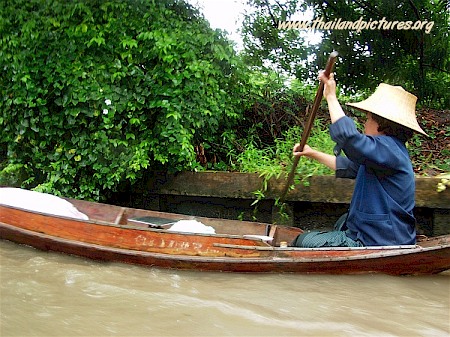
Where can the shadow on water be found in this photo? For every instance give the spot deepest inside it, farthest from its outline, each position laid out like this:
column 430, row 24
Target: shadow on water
column 48, row 294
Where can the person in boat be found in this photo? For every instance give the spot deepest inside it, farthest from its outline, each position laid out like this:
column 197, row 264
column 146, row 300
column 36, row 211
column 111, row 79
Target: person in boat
column 381, row 209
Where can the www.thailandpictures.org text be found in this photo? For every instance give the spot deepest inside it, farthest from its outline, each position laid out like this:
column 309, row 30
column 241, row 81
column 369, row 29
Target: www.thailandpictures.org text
column 358, row 25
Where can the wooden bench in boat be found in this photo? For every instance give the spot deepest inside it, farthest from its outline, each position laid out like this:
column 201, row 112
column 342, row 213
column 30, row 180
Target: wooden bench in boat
column 152, row 222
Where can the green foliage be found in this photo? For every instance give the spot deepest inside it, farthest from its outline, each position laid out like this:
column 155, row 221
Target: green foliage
column 425, row 160
column 276, row 160
column 415, row 59
column 266, row 46
column 274, row 108
column 93, row 93
column 12, row 175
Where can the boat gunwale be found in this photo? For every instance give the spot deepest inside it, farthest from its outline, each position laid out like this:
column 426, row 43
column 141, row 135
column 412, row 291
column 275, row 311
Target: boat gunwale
column 293, row 248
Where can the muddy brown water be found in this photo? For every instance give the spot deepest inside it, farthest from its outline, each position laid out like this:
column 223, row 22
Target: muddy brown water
column 50, row 294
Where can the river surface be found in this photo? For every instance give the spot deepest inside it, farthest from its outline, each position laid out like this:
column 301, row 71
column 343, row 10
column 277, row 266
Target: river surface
column 50, row 294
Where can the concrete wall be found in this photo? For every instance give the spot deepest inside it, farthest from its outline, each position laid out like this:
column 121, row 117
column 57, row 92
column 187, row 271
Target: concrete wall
column 231, row 195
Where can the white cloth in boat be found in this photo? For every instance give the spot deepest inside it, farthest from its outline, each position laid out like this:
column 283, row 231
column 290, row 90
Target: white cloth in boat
column 191, row 226
column 39, row 202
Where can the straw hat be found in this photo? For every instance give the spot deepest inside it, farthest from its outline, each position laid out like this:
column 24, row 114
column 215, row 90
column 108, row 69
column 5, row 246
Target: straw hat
column 393, row 103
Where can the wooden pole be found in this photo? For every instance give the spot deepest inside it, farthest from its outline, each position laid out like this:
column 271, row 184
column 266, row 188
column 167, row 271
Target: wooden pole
column 309, row 124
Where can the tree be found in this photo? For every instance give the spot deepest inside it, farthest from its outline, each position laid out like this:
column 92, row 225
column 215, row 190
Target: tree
column 414, row 58
column 94, row 93
column 418, row 59
column 266, row 46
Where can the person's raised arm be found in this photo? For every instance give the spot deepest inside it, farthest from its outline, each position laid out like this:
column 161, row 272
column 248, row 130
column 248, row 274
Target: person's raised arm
column 329, row 93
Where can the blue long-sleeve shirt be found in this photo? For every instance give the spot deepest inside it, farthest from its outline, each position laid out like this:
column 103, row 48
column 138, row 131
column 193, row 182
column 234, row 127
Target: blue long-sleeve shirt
column 381, row 210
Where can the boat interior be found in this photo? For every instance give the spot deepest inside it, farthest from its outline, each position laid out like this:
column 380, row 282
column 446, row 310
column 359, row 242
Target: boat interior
column 272, row 234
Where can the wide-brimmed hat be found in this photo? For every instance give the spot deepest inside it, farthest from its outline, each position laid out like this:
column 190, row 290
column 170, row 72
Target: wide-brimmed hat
column 393, row 103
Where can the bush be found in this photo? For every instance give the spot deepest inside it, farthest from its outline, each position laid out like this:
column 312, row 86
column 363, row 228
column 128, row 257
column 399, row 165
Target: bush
column 277, row 160
column 93, row 93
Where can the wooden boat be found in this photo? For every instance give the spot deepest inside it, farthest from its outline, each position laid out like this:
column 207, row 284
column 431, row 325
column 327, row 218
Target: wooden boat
column 142, row 237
